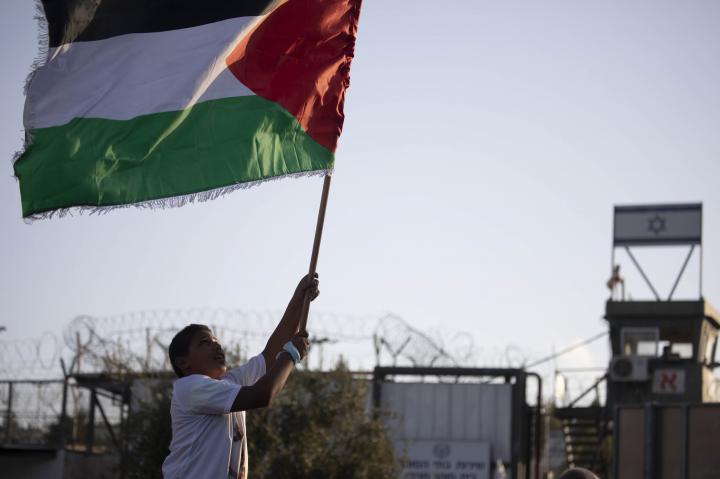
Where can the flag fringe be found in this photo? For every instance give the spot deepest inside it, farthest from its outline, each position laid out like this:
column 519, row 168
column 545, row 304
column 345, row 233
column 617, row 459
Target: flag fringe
column 171, row 202
column 41, row 58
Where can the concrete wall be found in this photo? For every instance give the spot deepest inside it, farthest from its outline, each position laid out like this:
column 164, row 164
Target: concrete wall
column 95, row 466
column 23, row 464
column 16, row 464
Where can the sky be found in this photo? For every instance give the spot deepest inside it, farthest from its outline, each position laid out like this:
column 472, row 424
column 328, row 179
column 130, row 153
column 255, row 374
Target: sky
column 484, row 147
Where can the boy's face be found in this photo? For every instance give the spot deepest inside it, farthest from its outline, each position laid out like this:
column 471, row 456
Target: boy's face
column 205, row 356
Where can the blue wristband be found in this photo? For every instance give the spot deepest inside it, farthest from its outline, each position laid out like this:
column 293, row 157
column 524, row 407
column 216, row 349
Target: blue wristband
column 290, row 348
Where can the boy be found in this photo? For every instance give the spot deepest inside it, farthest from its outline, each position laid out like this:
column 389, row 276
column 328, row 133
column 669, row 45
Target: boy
column 209, row 403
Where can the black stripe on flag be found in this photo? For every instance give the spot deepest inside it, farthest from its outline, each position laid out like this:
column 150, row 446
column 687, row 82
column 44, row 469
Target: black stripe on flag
column 88, row 20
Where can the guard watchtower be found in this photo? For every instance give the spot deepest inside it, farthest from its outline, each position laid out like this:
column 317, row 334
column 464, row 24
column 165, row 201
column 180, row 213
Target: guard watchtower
column 663, row 350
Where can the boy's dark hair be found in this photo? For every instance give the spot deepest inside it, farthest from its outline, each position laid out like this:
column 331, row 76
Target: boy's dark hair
column 180, row 344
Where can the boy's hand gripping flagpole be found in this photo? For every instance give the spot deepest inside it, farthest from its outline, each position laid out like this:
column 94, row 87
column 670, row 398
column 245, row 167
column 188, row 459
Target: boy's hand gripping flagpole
column 316, row 248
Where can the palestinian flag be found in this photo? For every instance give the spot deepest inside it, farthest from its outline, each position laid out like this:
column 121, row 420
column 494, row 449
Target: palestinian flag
column 161, row 102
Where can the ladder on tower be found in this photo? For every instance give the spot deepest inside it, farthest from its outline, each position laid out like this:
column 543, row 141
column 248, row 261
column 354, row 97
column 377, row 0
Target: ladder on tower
column 584, row 432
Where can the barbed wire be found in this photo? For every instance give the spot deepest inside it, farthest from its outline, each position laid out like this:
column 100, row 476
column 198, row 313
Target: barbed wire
column 31, row 354
column 137, row 341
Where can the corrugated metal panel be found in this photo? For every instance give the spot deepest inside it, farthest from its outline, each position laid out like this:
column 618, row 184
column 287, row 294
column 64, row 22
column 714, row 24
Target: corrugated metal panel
column 451, row 412
column 441, row 411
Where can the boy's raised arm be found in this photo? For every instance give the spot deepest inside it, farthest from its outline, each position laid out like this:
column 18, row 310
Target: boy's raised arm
column 267, row 388
column 288, row 325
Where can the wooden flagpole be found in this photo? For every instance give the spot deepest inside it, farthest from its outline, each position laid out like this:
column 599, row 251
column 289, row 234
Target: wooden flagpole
column 316, row 247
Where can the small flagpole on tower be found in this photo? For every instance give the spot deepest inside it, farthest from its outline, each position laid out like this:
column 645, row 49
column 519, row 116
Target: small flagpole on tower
column 316, row 247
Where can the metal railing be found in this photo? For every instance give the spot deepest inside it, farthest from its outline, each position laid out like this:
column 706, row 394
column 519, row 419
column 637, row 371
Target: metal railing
column 30, row 413
column 50, row 414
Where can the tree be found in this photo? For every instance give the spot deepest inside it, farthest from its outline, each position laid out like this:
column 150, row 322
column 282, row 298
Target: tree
column 146, row 436
column 320, row 427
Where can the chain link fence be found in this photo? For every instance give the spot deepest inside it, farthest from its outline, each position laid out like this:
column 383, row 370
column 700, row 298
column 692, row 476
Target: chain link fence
column 31, row 414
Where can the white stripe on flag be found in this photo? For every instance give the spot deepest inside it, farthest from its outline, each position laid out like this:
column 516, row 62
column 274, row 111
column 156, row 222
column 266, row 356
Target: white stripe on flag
column 137, row 74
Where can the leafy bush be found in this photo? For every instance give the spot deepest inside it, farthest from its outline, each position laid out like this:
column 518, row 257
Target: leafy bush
column 146, row 436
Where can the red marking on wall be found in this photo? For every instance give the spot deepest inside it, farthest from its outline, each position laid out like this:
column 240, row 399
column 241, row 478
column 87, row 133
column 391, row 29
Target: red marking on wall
column 668, row 381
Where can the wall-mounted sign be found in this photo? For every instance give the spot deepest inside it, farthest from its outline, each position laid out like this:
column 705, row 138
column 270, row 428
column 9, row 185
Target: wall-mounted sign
column 446, row 459
column 658, row 225
column 669, row 381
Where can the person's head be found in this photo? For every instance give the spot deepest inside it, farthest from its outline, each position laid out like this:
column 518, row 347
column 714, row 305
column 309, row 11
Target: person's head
column 195, row 350
column 577, row 473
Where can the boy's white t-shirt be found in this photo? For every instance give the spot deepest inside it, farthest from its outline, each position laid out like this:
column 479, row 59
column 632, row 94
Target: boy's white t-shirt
column 203, row 426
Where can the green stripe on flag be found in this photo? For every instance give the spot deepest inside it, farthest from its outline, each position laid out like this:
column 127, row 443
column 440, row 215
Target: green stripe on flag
column 99, row 162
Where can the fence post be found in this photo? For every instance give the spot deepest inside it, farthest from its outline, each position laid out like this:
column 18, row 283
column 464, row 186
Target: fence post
column 8, row 415
column 90, row 431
